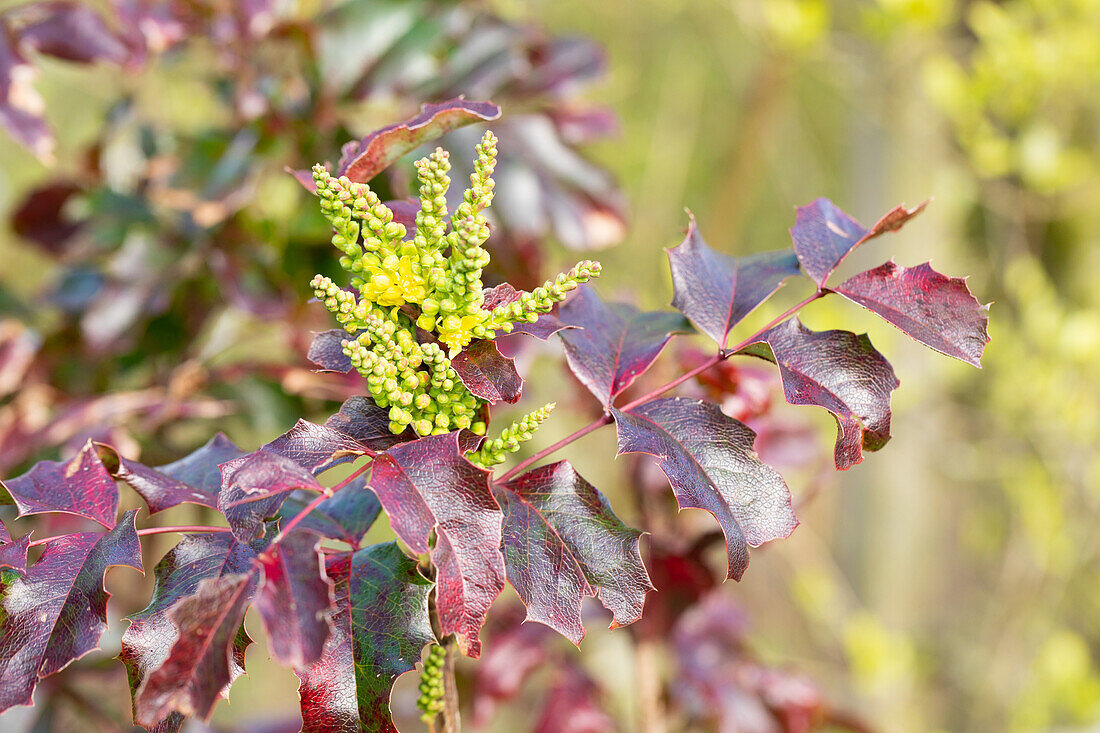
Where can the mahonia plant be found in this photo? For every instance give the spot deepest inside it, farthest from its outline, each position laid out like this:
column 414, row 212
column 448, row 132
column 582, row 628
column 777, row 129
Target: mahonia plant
column 428, row 282
column 418, row 325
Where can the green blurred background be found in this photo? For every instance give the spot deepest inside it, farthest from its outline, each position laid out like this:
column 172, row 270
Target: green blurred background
column 950, row 582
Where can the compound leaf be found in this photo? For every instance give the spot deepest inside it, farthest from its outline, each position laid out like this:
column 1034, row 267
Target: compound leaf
column 428, row 485
column 823, row 235
column 709, row 460
column 614, row 342
column 562, row 542
column 839, row 371
column 379, row 630
column 57, row 611
column 937, row 310
column 716, row 291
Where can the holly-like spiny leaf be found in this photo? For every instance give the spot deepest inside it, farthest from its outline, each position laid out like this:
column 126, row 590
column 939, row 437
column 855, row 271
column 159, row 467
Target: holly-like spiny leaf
column 57, row 611
column 937, row 310
column 823, row 235
column 347, row 515
column 148, row 640
column 428, row 485
column 487, row 373
column 380, row 628
column 839, row 371
column 365, row 422
column 716, row 291
column 81, row 486
column 200, row 664
column 614, row 342
column 255, row 486
column 294, row 599
column 13, row 553
column 327, row 351
column 193, row 479
column 709, row 460
column 562, row 542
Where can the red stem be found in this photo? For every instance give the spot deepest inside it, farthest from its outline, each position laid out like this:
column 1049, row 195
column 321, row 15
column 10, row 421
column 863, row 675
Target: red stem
column 327, row 493
column 606, row 417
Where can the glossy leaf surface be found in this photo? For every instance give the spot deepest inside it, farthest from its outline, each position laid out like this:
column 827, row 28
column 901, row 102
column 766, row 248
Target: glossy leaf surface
column 823, row 235
column 613, row 343
column 563, row 542
column 716, row 291
column 709, row 460
column 13, row 553
column 937, row 310
column 57, row 611
column 427, row 485
column 487, row 373
column 839, row 371
column 379, row 630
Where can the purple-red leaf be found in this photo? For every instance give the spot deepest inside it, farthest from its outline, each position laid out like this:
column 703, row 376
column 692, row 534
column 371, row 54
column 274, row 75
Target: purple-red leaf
column 379, row 630
column 614, row 342
column 823, row 235
column 82, row 486
column 839, row 371
column 488, row 374
column 545, row 326
column 255, row 486
column 193, row 479
column 148, row 641
column 426, row 485
column 364, row 159
column 203, row 660
column 294, row 599
column 13, row 553
column 709, row 460
column 57, row 612
column 717, row 291
column 937, row 310
column 347, row 515
column 20, row 104
column 365, row 422
column 72, row 32
column 327, row 351
column 562, row 542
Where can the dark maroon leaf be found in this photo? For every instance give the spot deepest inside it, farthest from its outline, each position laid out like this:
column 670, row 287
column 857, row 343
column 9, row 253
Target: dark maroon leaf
column 362, row 420
column 364, row 159
column 709, row 460
column 379, row 630
column 562, row 542
column 57, row 612
column 193, row 479
column 327, row 351
column 574, row 705
column 41, row 216
column 937, row 310
column 316, row 448
column 255, row 486
column 487, row 374
column 347, row 515
column 824, row 235
column 82, row 486
column 543, row 328
column 614, row 343
column 13, row 553
column 203, row 659
column 839, row 371
column 20, row 104
column 427, row 485
column 294, row 599
column 73, row 32
column 152, row 632
column 717, row 291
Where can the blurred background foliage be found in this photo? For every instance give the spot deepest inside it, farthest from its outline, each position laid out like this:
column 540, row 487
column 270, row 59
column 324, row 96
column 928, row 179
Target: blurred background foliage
column 948, row 583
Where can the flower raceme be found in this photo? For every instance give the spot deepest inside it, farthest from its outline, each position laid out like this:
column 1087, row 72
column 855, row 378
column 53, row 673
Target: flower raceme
column 418, row 299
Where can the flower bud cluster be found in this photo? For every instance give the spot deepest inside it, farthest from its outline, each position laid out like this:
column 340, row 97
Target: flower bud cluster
column 493, row 451
column 430, row 701
column 429, row 279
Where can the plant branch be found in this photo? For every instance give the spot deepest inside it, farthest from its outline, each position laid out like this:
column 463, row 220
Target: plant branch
column 452, row 721
column 606, row 417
